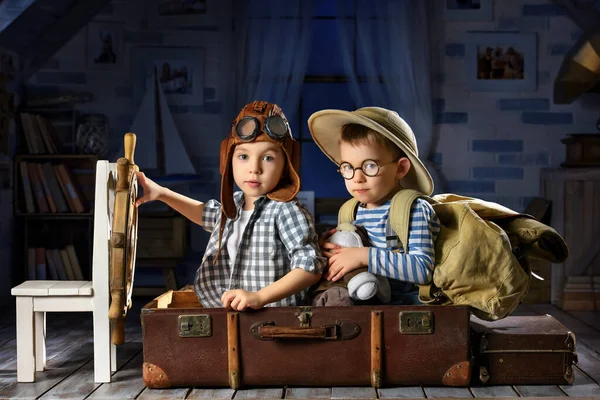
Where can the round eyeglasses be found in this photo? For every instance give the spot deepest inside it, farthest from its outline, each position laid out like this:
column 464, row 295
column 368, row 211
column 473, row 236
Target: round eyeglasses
column 369, row 167
column 249, row 127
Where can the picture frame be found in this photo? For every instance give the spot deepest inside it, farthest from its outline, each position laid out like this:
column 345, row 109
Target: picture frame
column 181, row 73
column 181, row 14
column 501, row 61
column 105, row 45
column 468, row 10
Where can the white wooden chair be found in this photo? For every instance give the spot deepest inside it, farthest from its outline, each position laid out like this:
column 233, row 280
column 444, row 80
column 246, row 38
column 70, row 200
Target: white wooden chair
column 35, row 298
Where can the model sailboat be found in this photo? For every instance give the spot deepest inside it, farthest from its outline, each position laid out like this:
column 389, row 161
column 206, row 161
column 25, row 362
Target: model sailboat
column 159, row 146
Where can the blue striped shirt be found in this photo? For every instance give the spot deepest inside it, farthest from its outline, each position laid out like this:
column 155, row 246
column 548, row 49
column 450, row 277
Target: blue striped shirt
column 386, row 255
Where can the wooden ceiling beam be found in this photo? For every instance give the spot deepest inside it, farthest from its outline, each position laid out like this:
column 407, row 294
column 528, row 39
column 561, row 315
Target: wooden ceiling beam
column 56, row 35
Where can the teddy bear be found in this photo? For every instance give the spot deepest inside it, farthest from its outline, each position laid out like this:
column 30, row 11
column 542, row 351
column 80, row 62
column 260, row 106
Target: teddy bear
column 358, row 285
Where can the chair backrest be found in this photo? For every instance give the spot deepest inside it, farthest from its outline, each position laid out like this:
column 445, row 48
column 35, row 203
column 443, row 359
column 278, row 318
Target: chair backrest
column 106, row 178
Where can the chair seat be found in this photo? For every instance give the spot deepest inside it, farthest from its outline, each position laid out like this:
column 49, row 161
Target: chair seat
column 53, row 288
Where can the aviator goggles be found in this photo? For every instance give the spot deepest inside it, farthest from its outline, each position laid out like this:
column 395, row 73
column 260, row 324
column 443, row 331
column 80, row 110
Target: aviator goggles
column 248, row 128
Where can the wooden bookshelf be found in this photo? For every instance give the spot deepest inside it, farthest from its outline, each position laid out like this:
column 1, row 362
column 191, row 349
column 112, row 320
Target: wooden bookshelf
column 53, row 196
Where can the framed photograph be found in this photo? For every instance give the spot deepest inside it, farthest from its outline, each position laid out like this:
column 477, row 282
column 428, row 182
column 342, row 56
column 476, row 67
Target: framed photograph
column 182, row 14
column 501, row 61
column 180, row 71
column 105, row 45
column 468, row 10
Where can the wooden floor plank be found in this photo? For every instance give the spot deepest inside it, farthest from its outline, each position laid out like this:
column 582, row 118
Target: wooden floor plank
column 270, row 393
column 353, row 393
column 81, row 383
column 200, row 393
column 539, row 391
column 401, row 392
column 493, row 391
column 127, row 383
column 441, row 392
column 160, row 394
column 59, row 368
column 307, row 393
column 76, row 386
column 589, row 362
column 56, row 329
column 592, row 318
column 56, row 342
column 583, row 386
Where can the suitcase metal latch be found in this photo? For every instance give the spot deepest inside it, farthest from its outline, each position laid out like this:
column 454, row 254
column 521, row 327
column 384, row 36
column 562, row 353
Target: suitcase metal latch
column 195, row 325
column 416, row 322
column 304, row 314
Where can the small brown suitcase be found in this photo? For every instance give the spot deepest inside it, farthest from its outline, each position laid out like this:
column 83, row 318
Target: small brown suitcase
column 185, row 344
column 523, row 350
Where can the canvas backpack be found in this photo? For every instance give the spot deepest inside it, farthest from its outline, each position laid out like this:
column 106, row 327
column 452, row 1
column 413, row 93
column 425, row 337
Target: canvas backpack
column 475, row 263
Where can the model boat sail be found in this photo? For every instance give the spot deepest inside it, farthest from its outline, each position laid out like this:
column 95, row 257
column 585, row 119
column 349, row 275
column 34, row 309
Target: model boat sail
column 159, row 146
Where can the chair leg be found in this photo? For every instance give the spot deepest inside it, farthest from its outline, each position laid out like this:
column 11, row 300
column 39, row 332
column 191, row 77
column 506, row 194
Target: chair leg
column 113, row 350
column 102, row 347
column 25, row 340
column 40, row 341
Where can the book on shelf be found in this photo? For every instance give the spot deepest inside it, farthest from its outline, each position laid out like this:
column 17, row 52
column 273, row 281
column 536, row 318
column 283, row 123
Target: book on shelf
column 40, row 263
column 77, row 273
column 52, row 268
column 38, row 190
column 55, row 190
column 55, row 264
column 64, row 256
column 39, row 134
column 60, row 268
column 47, row 133
column 45, row 186
column 73, row 189
column 27, row 190
column 50, row 187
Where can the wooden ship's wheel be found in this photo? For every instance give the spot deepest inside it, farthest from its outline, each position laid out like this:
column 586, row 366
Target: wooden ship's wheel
column 123, row 240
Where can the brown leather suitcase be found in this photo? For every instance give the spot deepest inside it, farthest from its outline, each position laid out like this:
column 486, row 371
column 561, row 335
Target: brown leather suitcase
column 523, row 350
column 185, row 344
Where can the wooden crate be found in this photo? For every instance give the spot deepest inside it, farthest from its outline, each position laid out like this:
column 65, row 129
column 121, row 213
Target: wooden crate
column 575, row 197
column 161, row 236
column 581, row 300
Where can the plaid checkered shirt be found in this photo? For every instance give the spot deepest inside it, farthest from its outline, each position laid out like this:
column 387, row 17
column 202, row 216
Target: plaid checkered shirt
column 278, row 238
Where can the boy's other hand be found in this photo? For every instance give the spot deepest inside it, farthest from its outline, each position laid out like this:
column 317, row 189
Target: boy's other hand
column 328, row 248
column 345, row 260
column 151, row 189
column 239, row 300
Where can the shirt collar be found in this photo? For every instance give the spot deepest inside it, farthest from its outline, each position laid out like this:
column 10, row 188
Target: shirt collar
column 238, row 199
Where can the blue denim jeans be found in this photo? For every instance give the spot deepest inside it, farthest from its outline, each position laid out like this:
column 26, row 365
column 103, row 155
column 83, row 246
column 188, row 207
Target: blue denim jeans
column 404, row 293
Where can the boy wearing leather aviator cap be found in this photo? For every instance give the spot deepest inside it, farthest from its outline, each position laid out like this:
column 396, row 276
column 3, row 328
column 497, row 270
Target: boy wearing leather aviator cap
column 263, row 248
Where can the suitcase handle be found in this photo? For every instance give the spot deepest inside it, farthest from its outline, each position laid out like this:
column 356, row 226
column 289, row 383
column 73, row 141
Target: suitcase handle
column 267, row 330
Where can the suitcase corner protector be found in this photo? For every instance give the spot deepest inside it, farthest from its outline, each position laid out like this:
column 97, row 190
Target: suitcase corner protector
column 458, row 375
column 155, row 377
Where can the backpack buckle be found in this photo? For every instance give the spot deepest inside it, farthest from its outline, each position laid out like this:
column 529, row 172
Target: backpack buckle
column 439, row 296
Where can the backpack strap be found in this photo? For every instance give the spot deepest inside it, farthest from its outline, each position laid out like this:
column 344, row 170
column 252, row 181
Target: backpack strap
column 347, row 212
column 399, row 216
column 399, row 220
